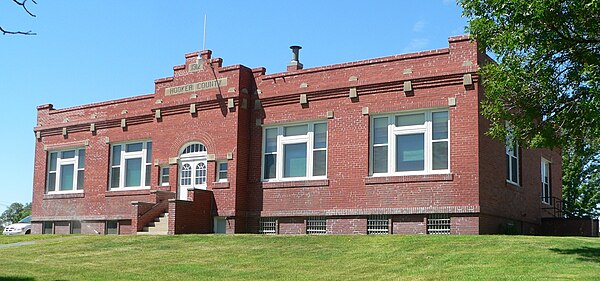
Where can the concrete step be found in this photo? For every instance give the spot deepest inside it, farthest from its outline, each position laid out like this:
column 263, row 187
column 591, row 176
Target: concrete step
column 160, row 226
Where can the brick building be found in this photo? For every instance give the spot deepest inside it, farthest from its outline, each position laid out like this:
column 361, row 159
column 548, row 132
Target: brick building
column 386, row 145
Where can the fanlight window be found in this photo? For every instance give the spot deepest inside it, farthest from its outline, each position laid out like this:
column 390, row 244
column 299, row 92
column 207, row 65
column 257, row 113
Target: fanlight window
column 194, row 148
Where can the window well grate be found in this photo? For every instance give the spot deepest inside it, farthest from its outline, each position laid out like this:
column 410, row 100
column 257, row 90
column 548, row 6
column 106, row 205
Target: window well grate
column 268, row 226
column 316, row 225
column 438, row 224
column 378, row 224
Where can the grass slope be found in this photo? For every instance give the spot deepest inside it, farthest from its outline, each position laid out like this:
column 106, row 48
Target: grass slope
column 336, row 257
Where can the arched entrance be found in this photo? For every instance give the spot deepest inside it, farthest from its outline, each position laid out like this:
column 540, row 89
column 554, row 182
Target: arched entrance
column 192, row 169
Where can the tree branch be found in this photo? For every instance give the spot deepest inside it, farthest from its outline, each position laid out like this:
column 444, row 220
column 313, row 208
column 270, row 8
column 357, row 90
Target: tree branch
column 22, row 4
column 4, row 32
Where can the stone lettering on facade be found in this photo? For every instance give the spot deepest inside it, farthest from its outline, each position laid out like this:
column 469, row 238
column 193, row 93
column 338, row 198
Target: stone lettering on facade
column 198, row 86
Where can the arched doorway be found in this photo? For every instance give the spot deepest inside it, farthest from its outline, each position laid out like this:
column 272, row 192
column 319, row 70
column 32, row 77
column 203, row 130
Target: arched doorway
column 192, row 169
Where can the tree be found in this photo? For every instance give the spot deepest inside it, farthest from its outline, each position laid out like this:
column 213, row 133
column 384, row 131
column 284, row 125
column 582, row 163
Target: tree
column 581, row 181
column 23, row 4
column 545, row 83
column 14, row 213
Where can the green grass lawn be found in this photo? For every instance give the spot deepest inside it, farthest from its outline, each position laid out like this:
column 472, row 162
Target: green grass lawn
column 336, row 257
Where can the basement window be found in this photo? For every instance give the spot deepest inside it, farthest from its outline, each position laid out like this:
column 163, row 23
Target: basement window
column 112, row 227
column 316, row 225
column 268, row 226
column 75, row 227
column 438, row 224
column 378, row 224
column 47, row 227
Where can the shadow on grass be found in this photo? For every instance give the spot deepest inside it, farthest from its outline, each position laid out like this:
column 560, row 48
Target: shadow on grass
column 14, row 278
column 583, row 253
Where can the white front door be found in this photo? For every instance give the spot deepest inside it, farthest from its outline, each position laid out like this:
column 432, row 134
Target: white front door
column 192, row 174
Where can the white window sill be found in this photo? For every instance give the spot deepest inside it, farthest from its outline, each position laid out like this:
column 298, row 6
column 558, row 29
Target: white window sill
column 513, row 183
column 129, row 188
column 64, row 195
column 295, row 183
column 408, row 178
column 65, row 192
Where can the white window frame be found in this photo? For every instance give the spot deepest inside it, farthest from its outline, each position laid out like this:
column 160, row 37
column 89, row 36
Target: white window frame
column 130, row 155
column 59, row 162
column 163, row 175
column 512, row 151
column 219, row 171
column 546, row 181
column 426, row 129
column 283, row 140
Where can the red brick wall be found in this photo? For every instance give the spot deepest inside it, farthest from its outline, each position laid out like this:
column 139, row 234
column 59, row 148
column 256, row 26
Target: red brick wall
column 410, row 224
column 476, row 182
column 192, row 216
column 296, row 225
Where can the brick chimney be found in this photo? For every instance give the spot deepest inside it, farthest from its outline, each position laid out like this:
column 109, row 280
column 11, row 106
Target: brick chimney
column 295, row 62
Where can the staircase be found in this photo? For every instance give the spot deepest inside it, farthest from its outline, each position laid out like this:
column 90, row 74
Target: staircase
column 160, row 226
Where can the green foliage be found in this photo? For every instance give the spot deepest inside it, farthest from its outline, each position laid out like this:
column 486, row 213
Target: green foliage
column 15, row 212
column 545, row 82
column 581, row 181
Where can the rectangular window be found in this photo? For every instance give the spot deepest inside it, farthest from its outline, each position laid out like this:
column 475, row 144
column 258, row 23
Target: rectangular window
column 75, row 227
column 378, row 224
column 512, row 160
column 410, row 143
column 47, row 227
column 112, row 227
column 65, row 171
column 295, row 152
column 546, row 179
column 222, row 171
column 268, row 226
column 438, row 224
column 316, row 225
column 131, row 165
column 164, row 176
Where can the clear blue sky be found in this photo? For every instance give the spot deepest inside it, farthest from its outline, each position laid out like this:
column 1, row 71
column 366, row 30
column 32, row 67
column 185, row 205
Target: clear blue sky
column 90, row 51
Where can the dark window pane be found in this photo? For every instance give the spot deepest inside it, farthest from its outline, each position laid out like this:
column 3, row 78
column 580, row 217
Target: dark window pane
column 80, row 179
column 380, row 130
column 270, row 166
column 507, row 167
column 319, row 163
column 294, row 160
column 133, row 172
column 66, row 177
column 75, row 227
column 440, row 155
column 380, row 159
column 112, row 227
column 440, row 125
column 148, row 173
column 115, row 177
column 271, row 140
column 81, row 159
column 47, row 227
column 52, row 164
column 223, row 175
column 134, row 147
column 298, row 130
column 515, row 168
column 51, row 181
column 410, row 154
column 67, row 154
column 320, row 135
column 149, row 152
column 410, row 120
column 116, row 161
